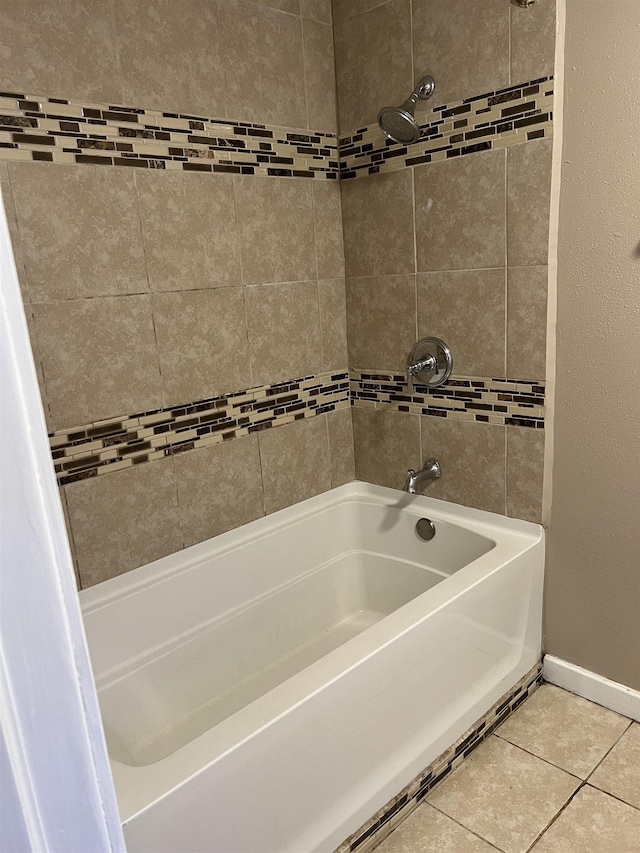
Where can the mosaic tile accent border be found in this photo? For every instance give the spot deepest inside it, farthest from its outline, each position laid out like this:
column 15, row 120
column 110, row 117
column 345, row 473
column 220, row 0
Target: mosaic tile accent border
column 498, row 119
column 110, row 445
column 374, row 831
column 62, row 131
column 510, row 402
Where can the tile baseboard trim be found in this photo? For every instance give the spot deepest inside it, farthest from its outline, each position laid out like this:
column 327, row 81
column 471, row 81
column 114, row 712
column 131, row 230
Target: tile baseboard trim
column 381, row 825
column 57, row 130
column 596, row 688
column 492, row 120
column 498, row 401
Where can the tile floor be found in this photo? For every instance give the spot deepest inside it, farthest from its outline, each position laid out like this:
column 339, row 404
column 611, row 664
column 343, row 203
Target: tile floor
column 562, row 775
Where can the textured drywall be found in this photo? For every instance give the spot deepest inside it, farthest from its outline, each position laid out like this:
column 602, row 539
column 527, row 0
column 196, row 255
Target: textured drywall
column 593, row 567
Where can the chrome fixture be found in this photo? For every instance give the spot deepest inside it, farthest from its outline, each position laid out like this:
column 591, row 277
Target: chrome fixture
column 398, row 123
column 525, row 3
column 430, row 363
column 426, row 529
column 430, row 471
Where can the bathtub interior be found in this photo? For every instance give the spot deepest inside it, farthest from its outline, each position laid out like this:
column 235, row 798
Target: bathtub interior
column 323, row 579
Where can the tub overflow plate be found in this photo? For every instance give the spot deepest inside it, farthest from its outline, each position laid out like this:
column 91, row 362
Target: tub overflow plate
column 425, row 528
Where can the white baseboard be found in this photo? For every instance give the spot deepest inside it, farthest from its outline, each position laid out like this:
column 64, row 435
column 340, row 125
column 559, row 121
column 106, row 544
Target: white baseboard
column 591, row 686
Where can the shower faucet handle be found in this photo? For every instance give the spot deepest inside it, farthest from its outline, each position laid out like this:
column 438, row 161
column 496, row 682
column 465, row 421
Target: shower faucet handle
column 430, row 363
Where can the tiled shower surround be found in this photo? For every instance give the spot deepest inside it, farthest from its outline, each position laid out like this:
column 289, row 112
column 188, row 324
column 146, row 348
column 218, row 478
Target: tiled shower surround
column 60, row 131
column 183, row 266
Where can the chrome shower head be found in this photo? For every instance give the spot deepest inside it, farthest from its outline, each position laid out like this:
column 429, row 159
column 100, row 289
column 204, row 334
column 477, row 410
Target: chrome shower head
column 398, row 123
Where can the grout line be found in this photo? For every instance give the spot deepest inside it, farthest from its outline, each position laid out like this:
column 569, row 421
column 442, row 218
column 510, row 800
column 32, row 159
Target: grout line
column 114, row 21
column 315, row 230
column 260, row 462
column 466, row 828
column 555, row 817
column 613, row 796
column 178, row 508
column 304, row 72
column 223, row 68
column 611, row 748
column 539, row 757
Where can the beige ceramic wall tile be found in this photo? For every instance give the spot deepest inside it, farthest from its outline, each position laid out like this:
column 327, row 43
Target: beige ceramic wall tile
column 525, row 473
column 593, row 823
column 291, row 6
column 463, row 44
column 37, row 358
column 333, row 323
column 262, row 57
column 343, row 9
column 67, row 523
column 283, row 323
column 429, row 831
column 327, row 212
column 219, row 488
column 528, row 185
column 460, row 212
column 526, row 322
column 619, row 773
column 12, row 224
column 61, row 50
column 80, row 230
column 378, row 224
column 381, row 321
column 340, row 429
column 533, row 41
column 564, row 729
column 318, row 10
column 467, row 310
column 472, row 458
column 504, row 795
column 373, row 62
column 99, row 358
column 202, row 343
column 386, row 445
column 170, row 56
column 124, row 520
column 320, row 76
column 276, row 229
column 295, row 462
column 190, row 230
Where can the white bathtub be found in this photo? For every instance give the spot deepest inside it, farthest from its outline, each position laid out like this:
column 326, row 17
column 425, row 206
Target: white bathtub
column 269, row 690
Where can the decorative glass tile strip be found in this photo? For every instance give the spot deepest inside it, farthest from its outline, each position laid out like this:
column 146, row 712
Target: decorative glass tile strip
column 375, row 830
column 62, row 131
column 110, row 445
column 493, row 120
column 511, row 402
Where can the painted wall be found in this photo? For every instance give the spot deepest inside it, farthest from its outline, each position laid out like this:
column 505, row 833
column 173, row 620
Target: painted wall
column 449, row 238
column 149, row 290
column 593, row 570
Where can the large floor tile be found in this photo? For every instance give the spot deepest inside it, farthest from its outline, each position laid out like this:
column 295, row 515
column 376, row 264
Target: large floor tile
column 504, row 795
column 429, row 831
column 619, row 773
column 565, row 729
column 593, row 823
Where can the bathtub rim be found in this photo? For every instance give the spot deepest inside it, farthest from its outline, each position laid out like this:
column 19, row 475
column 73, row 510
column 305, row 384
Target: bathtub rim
column 141, row 787
column 479, row 521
